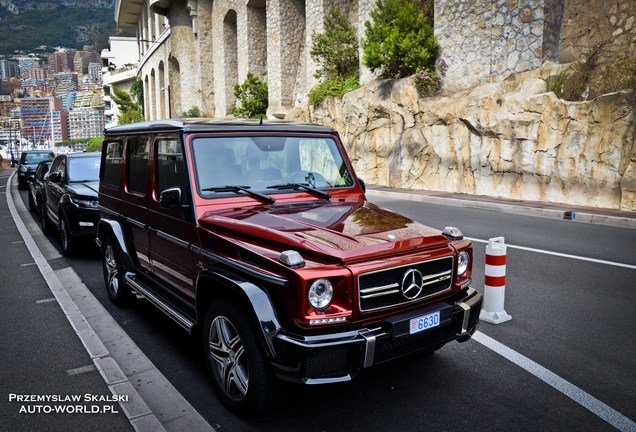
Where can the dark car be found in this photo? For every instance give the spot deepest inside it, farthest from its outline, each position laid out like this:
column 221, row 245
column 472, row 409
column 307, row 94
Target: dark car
column 259, row 235
column 29, row 160
column 36, row 184
column 70, row 202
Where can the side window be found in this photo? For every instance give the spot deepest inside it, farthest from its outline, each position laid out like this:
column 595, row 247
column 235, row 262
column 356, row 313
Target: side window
column 113, row 163
column 61, row 168
column 171, row 170
column 137, row 175
column 56, row 165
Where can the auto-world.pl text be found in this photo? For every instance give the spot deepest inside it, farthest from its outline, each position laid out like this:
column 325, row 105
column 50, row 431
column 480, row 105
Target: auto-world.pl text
column 67, row 404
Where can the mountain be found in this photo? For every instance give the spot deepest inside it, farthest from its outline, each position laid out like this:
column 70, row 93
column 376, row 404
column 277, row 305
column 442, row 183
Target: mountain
column 39, row 26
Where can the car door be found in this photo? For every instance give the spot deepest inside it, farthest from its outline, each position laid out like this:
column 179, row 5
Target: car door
column 55, row 187
column 172, row 228
column 134, row 195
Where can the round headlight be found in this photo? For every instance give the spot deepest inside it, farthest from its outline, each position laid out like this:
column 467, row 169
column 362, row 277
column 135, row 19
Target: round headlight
column 23, row 169
column 463, row 260
column 320, row 294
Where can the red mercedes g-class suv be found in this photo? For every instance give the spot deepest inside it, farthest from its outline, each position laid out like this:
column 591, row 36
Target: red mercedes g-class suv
column 259, row 234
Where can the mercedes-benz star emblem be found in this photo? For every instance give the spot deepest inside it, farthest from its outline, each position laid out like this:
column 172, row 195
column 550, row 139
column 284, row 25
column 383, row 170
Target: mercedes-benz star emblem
column 412, row 284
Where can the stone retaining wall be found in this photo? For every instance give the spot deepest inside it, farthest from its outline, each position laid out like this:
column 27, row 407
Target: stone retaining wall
column 509, row 139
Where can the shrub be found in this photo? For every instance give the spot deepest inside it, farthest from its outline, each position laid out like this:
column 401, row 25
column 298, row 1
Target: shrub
column 253, row 98
column 336, row 50
column 335, row 87
column 400, row 40
column 555, row 83
column 619, row 75
column 430, row 82
column 193, row 112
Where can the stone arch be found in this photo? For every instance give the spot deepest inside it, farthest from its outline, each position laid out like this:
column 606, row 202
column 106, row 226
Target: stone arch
column 163, row 94
column 230, row 49
column 257, row 38
column 174, row 88
column 153, row 95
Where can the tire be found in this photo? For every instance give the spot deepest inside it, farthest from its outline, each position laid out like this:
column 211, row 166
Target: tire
column 69, row 243
column 113, row 270
column 237, row 363
column 32, row 207
column 45, row 222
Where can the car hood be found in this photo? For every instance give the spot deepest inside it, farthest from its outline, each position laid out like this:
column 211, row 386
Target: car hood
column 340, row 231
column 87, row 189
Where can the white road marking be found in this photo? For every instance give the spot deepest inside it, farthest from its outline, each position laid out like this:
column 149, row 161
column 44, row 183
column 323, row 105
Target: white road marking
column 605, row 412
column 48, row 300
column 545, row 252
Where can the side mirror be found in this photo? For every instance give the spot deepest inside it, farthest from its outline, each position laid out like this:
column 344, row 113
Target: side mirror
column 170, row 198
column 363, row 185
column 55, row 177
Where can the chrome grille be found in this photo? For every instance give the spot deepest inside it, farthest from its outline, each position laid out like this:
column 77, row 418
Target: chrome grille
column 383, row 288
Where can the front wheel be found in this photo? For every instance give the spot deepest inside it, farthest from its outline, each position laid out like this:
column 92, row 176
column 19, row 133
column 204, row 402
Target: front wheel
column 32, row 206
column 66, row 238
column 237, row 362
column 113, row 270
column 45, row 222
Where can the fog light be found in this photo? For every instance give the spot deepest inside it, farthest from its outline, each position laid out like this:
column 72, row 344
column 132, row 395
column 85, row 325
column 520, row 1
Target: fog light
column 320, row 294
column 333, row 320
column 86, row 224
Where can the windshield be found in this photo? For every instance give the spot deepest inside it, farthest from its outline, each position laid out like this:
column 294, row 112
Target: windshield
column 36, row 158
column 259, row 162
column 84, row 169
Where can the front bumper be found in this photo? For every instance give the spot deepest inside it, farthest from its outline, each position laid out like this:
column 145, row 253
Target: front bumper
column 338, row 357
column 82, row 221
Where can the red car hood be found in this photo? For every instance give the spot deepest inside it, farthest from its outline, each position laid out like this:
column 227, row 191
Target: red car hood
column 341, row 231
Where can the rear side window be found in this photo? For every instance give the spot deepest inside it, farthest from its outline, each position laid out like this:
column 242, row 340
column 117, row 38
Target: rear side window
column 113, row 163
column 138, row 151
column 171, row 170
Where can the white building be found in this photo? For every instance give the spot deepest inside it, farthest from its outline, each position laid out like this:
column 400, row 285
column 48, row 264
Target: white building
column 119, row 70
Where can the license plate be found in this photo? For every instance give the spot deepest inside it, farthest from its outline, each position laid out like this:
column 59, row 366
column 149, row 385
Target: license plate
column 424, row 322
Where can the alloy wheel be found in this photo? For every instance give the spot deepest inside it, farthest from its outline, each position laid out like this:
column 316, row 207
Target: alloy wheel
column 228, row 354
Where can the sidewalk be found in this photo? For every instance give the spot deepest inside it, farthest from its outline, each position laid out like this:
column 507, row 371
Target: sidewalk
column 49, row 381
column 122, row 376
column 529, row 208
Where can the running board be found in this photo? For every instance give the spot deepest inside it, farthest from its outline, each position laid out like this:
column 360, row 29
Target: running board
column 178, row 317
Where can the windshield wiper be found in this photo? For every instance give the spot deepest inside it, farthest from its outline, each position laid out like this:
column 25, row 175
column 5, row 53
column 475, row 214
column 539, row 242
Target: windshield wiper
column 304, row 186
column 238, row 189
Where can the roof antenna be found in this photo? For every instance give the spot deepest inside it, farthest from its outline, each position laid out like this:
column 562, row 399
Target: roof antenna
column 261, row 122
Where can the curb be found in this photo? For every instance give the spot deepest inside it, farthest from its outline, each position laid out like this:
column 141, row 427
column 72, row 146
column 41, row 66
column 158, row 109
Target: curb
column 622, row 222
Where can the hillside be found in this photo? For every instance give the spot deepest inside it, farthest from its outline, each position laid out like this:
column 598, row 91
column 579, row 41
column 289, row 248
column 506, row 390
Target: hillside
column 34, row 26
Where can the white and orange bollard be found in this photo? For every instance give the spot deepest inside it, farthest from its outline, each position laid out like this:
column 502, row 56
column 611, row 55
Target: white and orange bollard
column 495, row 283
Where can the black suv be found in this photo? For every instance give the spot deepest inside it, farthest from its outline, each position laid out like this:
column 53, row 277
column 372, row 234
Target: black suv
column 260, row 236
column 70, row 198
column 29, row 160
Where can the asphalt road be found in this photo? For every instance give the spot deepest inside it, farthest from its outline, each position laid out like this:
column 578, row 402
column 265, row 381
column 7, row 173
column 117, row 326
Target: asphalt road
column 575, row 318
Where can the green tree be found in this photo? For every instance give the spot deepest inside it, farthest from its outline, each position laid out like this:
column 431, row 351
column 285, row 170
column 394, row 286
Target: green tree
column 129, row 110
column 95, row 144
column 336, row 50
column 399, row 41
column 137, row 93
column 336, row 53
column 253, row 97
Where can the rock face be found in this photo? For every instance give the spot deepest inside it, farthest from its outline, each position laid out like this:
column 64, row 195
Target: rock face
column 509, row 139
